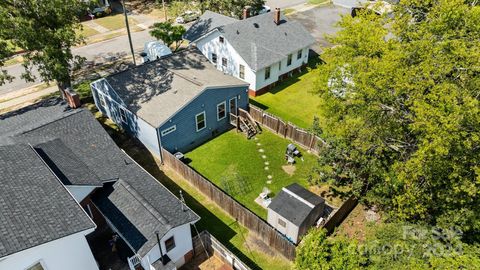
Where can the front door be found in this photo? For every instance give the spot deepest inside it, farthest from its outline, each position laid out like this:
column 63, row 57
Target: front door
column 233, row 105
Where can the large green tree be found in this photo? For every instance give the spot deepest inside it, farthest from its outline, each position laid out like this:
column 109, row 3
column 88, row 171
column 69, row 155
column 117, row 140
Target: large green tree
column 401, row 114
column 168, row 33
column 45, row 29
column 232, row 8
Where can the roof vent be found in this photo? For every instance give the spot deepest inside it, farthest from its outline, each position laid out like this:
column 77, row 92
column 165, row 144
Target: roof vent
column 238, row 32
column 256, row 25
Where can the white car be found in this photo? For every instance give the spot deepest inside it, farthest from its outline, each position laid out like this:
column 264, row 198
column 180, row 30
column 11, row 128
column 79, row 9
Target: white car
column 154, row 50
column 264, row 9
column 188, row 16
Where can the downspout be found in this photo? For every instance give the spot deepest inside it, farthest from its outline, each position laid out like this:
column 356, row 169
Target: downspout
column 159, row 247
column 159, row 146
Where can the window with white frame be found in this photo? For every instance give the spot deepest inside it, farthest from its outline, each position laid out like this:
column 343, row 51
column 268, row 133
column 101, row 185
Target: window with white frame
column 267, row 73
column 221, row 111
column 214, row 58
column 37, row 266
column 221, row 39
column 241, row 73
column 299, row 54
column 289, row 60
column 103, row 103
column 200, row 121
column 282, row 222
column 123, row 115
column 224, row 62
column 169, row 130
column 170, row 244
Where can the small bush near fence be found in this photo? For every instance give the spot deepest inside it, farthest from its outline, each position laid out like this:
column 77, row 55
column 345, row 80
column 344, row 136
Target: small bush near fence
column 288, row 130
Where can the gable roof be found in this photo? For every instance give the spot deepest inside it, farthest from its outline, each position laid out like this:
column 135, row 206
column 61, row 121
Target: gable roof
column 261, row 42
column 35, row 207
column 168, row 83
column 295, row 203
column 76, row 137
column 208, row 22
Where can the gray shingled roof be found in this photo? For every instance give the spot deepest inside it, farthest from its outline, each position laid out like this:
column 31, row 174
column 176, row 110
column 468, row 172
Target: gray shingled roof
column 261, row 42
column 293, row 209
column 208, row 22
column 168, row 83
column 35, row 207
column 67, row 136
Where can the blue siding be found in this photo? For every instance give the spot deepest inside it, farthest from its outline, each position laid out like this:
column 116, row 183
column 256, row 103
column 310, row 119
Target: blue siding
column 185, row 137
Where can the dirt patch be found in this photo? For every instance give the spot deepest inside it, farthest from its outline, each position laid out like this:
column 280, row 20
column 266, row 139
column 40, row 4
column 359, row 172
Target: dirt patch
column 325, row 192
column 257, row 244
column 356, row 225
column 289, row 169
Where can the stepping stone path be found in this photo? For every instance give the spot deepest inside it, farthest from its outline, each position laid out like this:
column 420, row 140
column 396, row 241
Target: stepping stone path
column 267, row 163
column 264, row 157
column 258, row 144
column 269, row 177
column 269, row 181
column 266, row 168
column 261, row 150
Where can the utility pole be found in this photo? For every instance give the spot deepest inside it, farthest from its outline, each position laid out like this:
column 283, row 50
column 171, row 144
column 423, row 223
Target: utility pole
column 128, row 31
column 164, row 10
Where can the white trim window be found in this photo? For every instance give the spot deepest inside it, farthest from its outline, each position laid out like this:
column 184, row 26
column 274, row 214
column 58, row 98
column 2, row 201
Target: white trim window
column 123, row 115
column 241, row 72
column 221, row 111
column 200, row 121
column 299, row 54
column 37, row 266
column 289, row 60
column 101, row 97
column 282, row 222
column 170, row 243
column 267, row 73
column 214, row 58
column 169, row 130
column 224, row 62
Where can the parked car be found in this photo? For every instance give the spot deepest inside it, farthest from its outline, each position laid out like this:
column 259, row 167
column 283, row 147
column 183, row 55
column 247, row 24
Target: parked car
column 264, row 9
column 188, row 16
column 99, row 12
column 154, row 50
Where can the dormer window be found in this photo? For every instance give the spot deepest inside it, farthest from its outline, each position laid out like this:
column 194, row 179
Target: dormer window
column 220, row 38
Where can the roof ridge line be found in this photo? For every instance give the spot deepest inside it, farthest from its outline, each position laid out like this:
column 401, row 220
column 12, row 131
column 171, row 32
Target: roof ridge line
column 298, row 197
column 144, row 202
column 72, row 112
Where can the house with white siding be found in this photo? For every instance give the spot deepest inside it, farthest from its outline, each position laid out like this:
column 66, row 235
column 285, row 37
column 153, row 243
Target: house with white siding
column 259, row 50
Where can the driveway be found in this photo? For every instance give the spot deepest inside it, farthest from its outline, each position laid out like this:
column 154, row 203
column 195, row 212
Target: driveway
column 321, row 21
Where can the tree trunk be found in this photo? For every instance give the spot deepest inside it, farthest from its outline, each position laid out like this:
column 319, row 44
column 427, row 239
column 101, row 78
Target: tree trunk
column 63, row 85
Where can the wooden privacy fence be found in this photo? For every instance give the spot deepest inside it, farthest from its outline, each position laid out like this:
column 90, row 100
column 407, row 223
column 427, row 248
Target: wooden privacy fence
column 305, row 139
column 247, row 218
column 339, row 215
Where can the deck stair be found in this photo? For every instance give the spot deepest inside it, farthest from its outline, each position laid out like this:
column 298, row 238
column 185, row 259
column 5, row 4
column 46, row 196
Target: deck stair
column 245, row 123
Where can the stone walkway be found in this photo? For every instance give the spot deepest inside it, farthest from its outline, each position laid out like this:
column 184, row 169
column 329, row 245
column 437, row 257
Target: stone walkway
column 97, row 27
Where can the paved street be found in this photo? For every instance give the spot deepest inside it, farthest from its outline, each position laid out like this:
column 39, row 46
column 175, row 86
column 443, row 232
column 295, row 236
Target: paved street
column 283, row 3
column 102, row 51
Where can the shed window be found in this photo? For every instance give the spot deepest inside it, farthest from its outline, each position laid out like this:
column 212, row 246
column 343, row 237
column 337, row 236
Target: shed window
column 224, row 61
column 214, row 58
column 289, row 60
column 37, row 266
column 169, row 130
column 242, row 72
column 200, row 121
column 170, row 244
column 280, row 65
column 102, row 100
column 282, row 222
column 221, row 113
column 123, row 115
column 221, row 39
column 299, row 54
column 267, row 73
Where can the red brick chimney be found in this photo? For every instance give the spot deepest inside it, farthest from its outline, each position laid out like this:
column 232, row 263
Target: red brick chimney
column 72, row 98
column 276, row 16
column 246, row 12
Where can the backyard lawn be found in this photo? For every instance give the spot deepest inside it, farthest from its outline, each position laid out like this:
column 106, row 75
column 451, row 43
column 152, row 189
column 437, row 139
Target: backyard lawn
column 292, row 100
column 242, row 167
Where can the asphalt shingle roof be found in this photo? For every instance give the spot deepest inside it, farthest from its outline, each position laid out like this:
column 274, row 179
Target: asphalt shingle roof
column 208, row 22
column 168, row 83
column 35, row 207
column 293, row 209
column 65, row 137
column 260, row 41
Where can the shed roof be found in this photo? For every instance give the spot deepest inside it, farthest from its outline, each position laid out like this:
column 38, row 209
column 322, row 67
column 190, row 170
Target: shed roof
column 35, row 207
column 156, row 90
column 295, row 203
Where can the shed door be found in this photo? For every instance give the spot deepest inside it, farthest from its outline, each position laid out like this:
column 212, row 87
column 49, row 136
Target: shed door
column 233, row 105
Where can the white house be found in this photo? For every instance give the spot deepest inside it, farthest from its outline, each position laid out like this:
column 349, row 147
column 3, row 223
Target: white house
column 42, row 225
column 260, row 50
column 294, row 210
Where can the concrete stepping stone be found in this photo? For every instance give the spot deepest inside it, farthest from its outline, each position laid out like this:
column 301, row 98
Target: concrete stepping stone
column 259, row 144
column 266, row 163
column 261, row 150
column 269, row 182
column 266, row 168
column 269, row 177
column 264, row 157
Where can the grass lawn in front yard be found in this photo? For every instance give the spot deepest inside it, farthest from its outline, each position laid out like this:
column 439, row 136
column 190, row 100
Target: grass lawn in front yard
column 114, row 22
column 241, row 167
column 293, row 100
column 86, row 31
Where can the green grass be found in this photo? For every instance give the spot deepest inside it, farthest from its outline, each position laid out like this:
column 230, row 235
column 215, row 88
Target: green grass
column 86, row 31
column 318, row 2
column 114, row 22
column 293, row 100
column 232, row 152
column 212, row 218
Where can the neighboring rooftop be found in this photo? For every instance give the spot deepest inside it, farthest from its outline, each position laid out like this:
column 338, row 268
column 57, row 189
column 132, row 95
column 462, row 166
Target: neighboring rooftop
column 79, row 151
column 35, row 207
column 295, row 203
column 168, row 83
column 208, row 22
column 259, row 40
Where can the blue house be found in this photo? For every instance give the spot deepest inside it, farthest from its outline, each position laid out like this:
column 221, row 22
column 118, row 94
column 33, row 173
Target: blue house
column 177, row 102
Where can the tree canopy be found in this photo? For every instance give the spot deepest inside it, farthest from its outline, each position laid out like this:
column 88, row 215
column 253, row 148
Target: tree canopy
column 45, row 29
column 168, row 33
column 232, row 8
column 400, row 111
